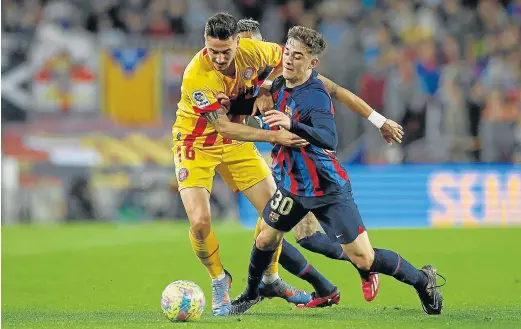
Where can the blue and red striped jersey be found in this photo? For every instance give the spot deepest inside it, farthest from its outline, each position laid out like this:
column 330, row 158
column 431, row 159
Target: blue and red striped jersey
column 314, row 170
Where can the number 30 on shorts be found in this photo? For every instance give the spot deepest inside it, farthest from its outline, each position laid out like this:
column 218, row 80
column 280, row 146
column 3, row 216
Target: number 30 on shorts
column 281, row 203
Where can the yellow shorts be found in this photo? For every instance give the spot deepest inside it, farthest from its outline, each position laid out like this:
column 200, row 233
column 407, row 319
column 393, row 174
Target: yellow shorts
column 240, row 165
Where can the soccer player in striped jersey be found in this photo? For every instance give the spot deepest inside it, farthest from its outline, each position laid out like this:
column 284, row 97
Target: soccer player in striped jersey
column 312, row 179
column 307, row 232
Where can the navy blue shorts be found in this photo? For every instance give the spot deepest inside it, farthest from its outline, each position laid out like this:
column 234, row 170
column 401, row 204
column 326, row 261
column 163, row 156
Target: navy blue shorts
column 337, row 213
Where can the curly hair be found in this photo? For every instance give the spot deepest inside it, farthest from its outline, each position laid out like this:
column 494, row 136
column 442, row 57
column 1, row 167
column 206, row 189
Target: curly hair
column 312, row 39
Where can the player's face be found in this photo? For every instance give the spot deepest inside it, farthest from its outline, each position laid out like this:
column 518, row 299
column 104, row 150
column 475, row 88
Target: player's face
column 297, row 61
column 222, row 52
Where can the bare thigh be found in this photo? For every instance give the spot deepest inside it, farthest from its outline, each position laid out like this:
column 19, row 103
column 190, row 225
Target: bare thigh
column 306, row 227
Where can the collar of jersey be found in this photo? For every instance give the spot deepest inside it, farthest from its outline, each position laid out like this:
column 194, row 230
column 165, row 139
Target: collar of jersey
column 304, row 85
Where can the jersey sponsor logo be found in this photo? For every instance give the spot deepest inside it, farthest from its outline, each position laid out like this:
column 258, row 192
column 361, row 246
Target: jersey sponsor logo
column 200, row 99
column 182, row 175
column 248, row 73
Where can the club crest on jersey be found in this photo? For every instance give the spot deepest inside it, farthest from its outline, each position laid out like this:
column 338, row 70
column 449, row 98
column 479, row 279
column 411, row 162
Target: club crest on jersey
column 248, row 73
column 200, row 99
column 288, row 111
column 182, row 175
column 274, row 216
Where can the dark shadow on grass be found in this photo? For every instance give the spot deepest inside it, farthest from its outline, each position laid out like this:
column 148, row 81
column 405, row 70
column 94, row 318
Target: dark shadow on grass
column 286, row 315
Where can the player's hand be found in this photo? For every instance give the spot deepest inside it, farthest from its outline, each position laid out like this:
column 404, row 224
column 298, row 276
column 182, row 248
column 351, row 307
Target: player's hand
column 277, row 119
column 263, row 102
column 286, row 138
column 391, row 131
column 224, row 100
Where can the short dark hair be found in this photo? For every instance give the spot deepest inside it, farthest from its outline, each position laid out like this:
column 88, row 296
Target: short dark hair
column 313, row 40
column 248, row 25
column 221, row 26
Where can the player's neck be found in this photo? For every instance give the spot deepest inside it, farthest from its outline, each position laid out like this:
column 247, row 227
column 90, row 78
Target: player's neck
column 298, row 81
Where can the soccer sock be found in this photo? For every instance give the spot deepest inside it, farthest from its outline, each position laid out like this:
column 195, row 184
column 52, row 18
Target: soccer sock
column 295, row 263
column 321, row 244
column 257, row 228
column 259, row 262
column 272, row 272
column 390, row 263
column 207, row 250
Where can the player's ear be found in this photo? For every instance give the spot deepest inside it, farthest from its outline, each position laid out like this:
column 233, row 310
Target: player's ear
column 314, row 63
column 238, row 39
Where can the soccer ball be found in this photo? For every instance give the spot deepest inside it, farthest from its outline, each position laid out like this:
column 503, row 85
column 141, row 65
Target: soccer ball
column 182, row 301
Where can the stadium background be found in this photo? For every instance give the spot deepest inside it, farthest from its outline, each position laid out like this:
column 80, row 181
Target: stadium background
column 89, row 92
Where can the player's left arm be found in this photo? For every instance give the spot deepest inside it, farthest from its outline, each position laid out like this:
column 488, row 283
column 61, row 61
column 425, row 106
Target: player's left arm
column 274, row 74
column 389, row 129
column 318, row 110
column 269, row 55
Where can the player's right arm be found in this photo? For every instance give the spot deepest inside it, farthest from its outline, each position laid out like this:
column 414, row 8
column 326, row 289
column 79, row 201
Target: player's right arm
column 206, row 99
column 389, row 129
column 222, row 124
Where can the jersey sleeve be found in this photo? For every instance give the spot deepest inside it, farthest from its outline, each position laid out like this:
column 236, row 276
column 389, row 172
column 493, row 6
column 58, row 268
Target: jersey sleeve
column 270, row 53
column 317, row 110
column 202, row 92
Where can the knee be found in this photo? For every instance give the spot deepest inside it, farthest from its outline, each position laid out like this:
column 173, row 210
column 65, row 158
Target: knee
column 363, row 261
column 200, row 224
column 268, row 240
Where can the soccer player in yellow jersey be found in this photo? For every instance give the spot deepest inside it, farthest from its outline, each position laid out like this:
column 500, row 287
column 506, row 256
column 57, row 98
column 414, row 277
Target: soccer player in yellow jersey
column 205, row 141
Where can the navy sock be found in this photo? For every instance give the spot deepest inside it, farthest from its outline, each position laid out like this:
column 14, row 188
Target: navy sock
column 321, row 244
column 259, row 262
column 295, row 263
column 390, row 263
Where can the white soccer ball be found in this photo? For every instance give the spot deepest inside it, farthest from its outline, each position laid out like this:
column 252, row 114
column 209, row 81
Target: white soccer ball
column 182, row 301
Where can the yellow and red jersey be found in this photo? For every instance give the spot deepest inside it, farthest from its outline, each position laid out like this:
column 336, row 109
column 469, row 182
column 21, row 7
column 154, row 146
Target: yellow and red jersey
column 201, row 84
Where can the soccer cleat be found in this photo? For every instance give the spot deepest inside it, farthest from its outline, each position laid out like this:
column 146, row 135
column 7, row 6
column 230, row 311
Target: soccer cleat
column 221, row 305
column 329, row 300
column 430, row 297
column 243, row 303
column 370, row 288
column 281, row 289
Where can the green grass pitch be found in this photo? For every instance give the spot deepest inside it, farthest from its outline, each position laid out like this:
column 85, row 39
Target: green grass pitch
column 111, row 276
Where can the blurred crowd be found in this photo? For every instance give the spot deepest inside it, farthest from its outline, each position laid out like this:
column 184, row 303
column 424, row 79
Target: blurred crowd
column 448, row 70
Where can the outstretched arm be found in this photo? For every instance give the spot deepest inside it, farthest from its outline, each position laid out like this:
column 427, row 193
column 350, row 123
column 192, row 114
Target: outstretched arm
column 389, row 129
column 347, row 98
column 222, row 124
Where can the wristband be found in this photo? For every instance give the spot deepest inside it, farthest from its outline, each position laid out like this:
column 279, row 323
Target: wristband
column 377, row 119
